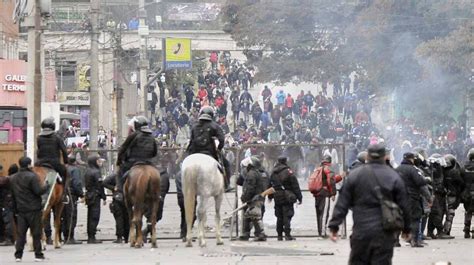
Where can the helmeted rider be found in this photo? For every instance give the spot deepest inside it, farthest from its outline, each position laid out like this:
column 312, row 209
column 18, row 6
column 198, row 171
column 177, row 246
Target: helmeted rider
column 51, row 148
column 139, row 147
column 203, row 134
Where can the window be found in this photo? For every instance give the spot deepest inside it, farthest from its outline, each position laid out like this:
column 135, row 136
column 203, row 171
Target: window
column 66, row 75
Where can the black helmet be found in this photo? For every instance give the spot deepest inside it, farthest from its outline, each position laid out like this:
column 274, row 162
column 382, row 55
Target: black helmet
column 206, row 113
column 327, row 158
column 255, row 162
column 141, row 124
column 470, row 154
column 282, row 159
column 450, row 160
column 362, row 156
column 48, row 123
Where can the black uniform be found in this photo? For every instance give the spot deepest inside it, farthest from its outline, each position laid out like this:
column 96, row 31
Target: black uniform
column 27, row 191
column 287, row 193
column 202, row 141
column 415, row 183
column 138, row 147
column 51, row 149
column 118, row 209
column 202, row 138
column 70, row 210
column 253, row 185
column 454, row 183
column 370, row 244
column 6, row 212
column 468, row 196
column 438, row 208
column 94, row 193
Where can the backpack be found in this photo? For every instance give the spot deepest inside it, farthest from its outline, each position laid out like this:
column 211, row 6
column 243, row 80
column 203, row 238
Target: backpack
column 315, row 183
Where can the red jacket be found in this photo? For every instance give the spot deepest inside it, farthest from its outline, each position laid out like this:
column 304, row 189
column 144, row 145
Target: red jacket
column 202, row 94
column 331, row 176
column 289, row 102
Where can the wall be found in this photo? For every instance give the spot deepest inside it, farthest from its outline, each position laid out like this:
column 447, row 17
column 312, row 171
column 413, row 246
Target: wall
column 8, row 31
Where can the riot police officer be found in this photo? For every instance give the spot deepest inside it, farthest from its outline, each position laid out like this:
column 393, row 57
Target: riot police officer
column 51, row 148
column 118, row 210
column 438, row 208
column 253, row 186
column 140, row 146
column 454, row 183
column 287, row 192
column 202, row 139
column 468, row 193
column 94, row 193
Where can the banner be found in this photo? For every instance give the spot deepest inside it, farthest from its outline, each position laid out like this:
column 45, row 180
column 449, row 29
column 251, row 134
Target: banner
column 177, row 53
column 85, row 120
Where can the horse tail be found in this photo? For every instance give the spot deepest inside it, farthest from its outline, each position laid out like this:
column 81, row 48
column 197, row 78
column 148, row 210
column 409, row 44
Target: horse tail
column 189, row 193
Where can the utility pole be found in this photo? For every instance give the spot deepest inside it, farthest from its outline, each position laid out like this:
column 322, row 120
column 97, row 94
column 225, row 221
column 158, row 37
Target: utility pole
column 143, row 63
column 118, row 85
column 34, row 76
column 94, row 108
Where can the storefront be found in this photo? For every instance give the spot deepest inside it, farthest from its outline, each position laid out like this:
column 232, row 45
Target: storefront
column 13, row 114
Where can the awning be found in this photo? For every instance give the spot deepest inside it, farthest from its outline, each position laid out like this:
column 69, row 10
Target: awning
column 69, row 115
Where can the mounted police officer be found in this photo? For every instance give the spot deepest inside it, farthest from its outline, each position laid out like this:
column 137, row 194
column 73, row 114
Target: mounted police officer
column 51, row 148
column 467, row 195
column 139, row 147
column 203, row 134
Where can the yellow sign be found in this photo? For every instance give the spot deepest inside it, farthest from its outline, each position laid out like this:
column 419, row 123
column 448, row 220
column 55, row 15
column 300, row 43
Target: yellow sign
column 177, row 53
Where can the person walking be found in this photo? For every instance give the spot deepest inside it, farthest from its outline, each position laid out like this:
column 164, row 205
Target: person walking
column 370, row 242
column 27, row 191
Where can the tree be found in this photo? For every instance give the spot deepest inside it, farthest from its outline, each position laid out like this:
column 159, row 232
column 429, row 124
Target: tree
column 291, row 41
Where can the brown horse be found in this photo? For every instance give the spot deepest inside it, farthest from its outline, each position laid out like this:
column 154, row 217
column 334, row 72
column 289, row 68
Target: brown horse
column 55, row 203
column 142, row 192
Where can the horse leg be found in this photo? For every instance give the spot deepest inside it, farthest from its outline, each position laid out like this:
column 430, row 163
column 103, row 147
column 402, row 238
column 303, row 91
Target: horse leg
column 218, row 202
column 131, row 234
column 189, row 202
column 154, row 210
column 138, row 215
column 58, row 209
column 202, row 220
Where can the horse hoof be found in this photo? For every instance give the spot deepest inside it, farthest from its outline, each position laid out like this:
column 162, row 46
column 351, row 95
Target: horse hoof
column 56, row 247
column 154, row 245
column 220, row 242
column 189, row 244
column 202, row 244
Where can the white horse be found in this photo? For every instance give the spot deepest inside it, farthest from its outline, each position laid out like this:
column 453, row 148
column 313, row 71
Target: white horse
column 201, row 177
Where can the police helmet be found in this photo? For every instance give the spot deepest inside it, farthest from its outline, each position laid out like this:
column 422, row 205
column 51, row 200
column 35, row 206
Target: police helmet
column 362, row 156
column 282, row 159
column 48, row 123
column 450, row 160
column 327, row 158
column 141, row 124
column 206, row 113
column 255, row 161
column 470, row 154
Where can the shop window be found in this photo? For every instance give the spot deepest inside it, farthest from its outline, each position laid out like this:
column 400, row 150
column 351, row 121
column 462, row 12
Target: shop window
column 3, row 136
column 66, row 75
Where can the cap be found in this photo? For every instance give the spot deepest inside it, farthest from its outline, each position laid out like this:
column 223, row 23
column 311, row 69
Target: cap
column 376, row 150
column 408, row 155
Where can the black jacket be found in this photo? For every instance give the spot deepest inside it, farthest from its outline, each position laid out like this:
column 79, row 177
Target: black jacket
column 138, row 146
column 76, row 181
column 27, row 191
column 358, row 194
column 454, row 180
column 468, row 193
column 6, row 200
column 51, row 148
column 282, row 177
column 253, row 185
column 202, row 138
column 413, row 179
column 93, row 180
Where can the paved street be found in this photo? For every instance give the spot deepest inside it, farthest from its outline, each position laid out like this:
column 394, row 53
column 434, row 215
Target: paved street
column 305, row 250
